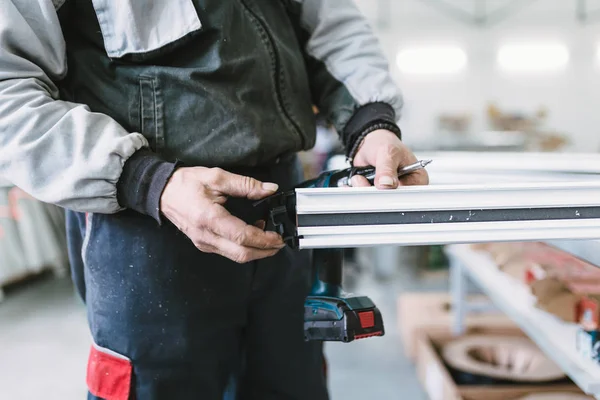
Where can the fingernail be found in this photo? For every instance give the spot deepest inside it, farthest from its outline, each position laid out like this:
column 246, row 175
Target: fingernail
column 271, row 187
column 386, row 181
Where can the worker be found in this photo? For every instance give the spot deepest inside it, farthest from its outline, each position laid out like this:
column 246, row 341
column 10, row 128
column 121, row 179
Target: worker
column 156, row 124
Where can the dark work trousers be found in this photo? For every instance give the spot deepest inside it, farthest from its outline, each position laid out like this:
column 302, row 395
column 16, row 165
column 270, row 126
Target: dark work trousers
column 170, row 322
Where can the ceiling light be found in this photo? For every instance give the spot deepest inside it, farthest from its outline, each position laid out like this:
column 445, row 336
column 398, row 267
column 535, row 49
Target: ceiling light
column 431, row 60
column 533, row 57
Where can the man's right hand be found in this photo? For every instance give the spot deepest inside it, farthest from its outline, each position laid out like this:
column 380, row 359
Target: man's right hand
column 193, row 200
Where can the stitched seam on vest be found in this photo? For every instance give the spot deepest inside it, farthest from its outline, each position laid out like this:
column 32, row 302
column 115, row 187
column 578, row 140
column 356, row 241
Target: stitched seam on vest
column 149, row 113
column 271, row 47
column 158, row 117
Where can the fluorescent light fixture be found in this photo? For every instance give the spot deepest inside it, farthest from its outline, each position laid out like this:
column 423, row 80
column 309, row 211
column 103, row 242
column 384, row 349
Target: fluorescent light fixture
column 431, row 60
column 533, row 57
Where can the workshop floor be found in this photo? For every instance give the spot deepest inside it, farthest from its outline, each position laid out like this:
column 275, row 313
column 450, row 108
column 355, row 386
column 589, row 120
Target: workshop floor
column 44, row 343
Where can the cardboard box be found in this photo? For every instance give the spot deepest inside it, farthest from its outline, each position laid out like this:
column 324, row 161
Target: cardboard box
column 569, row 300
column 418, row 311
column 438, row 382
column 554, row 297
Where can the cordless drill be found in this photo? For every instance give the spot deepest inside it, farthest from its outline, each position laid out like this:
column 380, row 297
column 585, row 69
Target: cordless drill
column 329, row 313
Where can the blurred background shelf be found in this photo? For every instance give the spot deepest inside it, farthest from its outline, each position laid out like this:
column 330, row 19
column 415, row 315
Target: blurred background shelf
column 555, row 337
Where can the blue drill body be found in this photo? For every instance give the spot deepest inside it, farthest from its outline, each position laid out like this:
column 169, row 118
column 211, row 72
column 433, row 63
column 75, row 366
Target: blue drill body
column 329, row 315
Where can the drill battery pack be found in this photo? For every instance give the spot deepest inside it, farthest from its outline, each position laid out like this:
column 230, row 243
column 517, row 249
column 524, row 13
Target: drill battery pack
column 341, row 319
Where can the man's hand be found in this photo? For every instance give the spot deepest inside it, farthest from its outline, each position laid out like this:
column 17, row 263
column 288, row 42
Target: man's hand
column 193, row 200
column 387, row 153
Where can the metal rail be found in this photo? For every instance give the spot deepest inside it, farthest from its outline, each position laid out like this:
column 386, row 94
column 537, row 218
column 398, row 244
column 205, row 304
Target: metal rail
column 578, row 164
column 445, row 214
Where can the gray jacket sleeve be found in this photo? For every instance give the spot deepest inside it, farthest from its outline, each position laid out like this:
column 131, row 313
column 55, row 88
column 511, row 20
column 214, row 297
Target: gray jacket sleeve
column 349, row 74
column 58, row 152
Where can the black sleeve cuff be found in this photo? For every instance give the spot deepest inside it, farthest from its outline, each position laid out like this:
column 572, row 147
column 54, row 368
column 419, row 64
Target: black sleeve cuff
column 366, row 119
column 142, row 182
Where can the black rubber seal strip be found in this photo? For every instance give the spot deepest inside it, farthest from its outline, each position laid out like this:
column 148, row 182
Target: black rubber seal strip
column 449, row 216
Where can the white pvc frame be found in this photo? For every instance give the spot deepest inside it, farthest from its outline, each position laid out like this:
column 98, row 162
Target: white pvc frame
column 523, row 196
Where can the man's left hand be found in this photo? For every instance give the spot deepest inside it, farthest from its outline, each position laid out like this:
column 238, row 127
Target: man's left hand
column 383, row 149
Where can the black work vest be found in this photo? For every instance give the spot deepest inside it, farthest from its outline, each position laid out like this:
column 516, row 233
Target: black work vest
column 233, row 93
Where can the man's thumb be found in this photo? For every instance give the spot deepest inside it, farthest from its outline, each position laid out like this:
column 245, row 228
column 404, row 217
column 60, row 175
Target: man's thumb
column 245, row 186
column 386, row 168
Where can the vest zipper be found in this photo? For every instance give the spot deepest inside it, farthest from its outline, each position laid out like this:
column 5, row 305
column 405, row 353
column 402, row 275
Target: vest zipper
column 277, row 65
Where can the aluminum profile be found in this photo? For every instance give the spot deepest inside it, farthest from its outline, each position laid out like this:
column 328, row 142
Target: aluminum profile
column 502, row 163
column 445, row 214
column 451, row 167
column 507, row 162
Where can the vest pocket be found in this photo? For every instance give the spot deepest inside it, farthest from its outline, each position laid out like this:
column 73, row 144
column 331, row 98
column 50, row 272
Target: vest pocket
column 151, row 113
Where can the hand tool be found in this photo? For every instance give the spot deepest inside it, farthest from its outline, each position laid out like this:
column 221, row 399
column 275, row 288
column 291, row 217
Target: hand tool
column 369, row 172
column 329, row 313
column 343, row 177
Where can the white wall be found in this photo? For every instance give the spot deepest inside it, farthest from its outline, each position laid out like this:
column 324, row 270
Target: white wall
column 572, row 96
